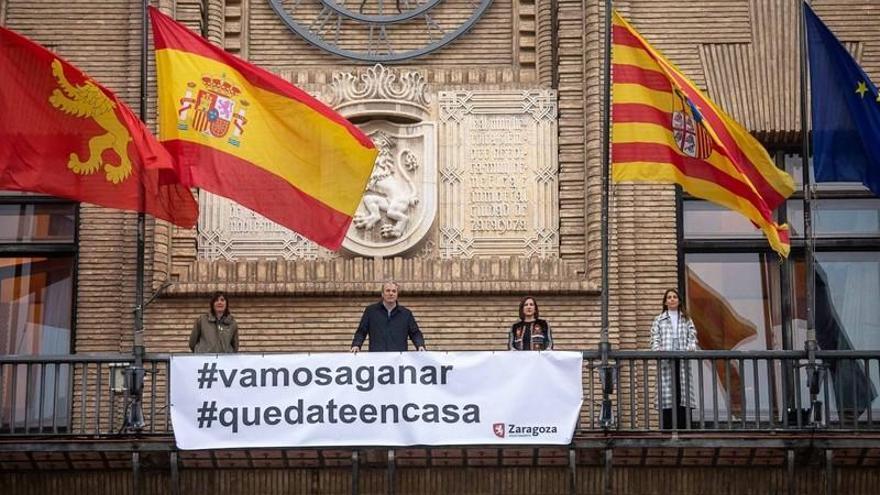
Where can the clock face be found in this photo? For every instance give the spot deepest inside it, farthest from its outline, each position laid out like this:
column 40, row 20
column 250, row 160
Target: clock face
column 380, row 30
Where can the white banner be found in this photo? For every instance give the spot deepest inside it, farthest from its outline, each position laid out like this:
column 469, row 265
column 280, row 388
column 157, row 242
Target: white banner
column 375, row 399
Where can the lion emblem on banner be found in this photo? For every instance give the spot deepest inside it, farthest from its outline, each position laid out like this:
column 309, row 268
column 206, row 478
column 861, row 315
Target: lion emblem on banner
column 498, row 429
column 391, row 192
column 89, row 102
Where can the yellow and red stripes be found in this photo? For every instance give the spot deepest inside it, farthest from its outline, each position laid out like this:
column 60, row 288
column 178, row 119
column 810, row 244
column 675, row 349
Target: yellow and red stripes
column 738, row 173
column 297, row 162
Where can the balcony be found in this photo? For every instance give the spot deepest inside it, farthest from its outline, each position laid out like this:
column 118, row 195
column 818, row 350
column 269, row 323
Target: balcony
column 766, row 408
column 730, row 392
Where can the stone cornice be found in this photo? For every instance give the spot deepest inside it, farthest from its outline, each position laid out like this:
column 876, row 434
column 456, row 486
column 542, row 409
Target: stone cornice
column 361, row 276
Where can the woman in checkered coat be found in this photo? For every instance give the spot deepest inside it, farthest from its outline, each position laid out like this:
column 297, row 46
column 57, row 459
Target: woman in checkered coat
column 673, row 330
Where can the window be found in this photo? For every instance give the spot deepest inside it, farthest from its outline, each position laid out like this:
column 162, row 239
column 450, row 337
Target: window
column 704, row 220
column 728, row 264
column 37, row 260
column 730, row 298
column 37, row 223
column 847, row 318
column 844, row 217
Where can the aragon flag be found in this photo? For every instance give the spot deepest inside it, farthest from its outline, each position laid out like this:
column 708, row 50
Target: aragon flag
column 63, row 134
column 242, row 132
column 665, row 130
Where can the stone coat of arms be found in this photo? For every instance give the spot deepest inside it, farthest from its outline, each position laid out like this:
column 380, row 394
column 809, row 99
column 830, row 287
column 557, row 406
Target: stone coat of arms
column 400, row 201
column 391, row 193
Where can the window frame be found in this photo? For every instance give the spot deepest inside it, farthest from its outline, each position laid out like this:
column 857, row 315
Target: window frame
column 48, row 249
column 759, row 244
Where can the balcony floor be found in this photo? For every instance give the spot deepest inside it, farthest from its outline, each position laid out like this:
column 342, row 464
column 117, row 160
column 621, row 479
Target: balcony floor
column 690, row 448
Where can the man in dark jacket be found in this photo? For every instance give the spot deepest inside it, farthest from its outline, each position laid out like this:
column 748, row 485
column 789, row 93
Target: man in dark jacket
column 387, row 324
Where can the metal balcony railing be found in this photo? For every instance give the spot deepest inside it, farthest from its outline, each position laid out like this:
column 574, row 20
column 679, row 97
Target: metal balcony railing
column 734, row 390
column 91, row 395
column 79, row 395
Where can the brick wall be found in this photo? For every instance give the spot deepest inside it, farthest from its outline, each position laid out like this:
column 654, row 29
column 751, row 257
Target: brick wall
column 309, row 324
column 712, row 47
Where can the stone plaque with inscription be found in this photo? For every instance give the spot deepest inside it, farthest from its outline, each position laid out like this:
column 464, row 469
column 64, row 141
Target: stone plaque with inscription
column 231, row 232
column 498, row 173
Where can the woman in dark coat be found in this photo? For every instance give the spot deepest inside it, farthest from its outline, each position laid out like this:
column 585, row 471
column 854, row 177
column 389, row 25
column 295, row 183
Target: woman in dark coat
column 530, row 333
column 217, row 331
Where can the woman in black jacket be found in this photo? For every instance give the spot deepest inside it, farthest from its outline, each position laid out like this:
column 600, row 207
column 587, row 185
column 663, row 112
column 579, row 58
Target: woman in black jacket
column 530, row 333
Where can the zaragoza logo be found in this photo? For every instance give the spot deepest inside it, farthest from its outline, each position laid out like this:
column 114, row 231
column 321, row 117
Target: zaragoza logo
column 498, row 430
column 212, row 111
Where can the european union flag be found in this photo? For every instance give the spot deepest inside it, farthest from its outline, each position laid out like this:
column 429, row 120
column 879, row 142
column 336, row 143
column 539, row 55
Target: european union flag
column 846, row 111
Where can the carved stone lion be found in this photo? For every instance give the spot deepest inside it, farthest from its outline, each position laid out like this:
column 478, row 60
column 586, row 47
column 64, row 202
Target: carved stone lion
column 390, row 191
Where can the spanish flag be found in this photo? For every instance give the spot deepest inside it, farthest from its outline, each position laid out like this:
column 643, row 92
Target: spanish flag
column 665, row 130
column 63, row 134
column 242, row 132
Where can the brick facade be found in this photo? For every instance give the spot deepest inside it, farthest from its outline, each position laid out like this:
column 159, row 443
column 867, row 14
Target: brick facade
column 742, row 52
column 741, row 58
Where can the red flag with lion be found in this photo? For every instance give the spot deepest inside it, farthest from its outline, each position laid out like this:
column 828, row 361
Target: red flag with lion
column 65, row 135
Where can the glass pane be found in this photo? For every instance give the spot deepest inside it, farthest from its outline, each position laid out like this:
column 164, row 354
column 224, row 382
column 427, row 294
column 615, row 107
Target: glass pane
column 837, row 217
column 704, row 220
column 794, row 166
column 35, row 305
column 35, row 318
column 37, row 222
column 847, row 317
column 731, row 296
column 733, row 300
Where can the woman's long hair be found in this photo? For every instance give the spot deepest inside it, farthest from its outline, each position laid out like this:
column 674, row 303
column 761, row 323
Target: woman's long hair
column 681, row 308
column 217, row 295
column 522, row 315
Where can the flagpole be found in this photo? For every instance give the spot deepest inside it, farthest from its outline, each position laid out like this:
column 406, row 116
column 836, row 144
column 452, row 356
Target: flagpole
column 135, row 420
column 809, row 269
column 604, row 344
